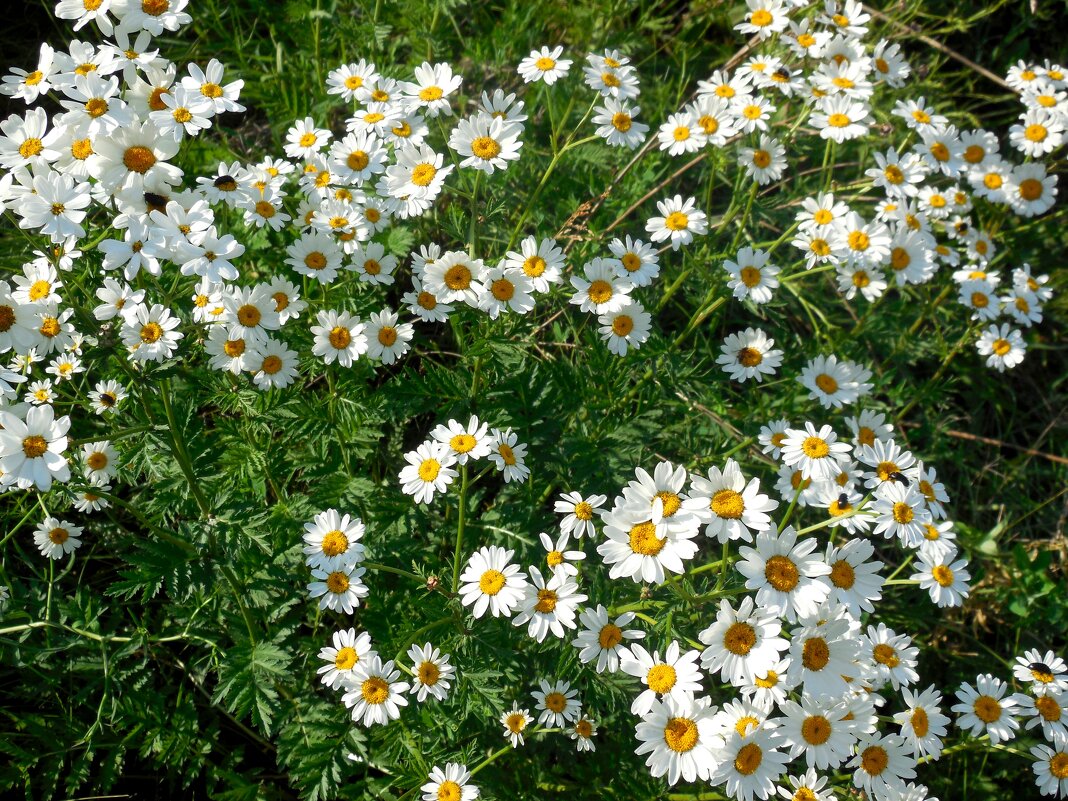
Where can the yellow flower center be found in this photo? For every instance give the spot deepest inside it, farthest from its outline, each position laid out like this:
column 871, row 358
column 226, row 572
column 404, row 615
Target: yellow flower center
column 1036, row 133
column 815, row 448
column 546, row 601
column 826, row 383
column 138, row 158
column 423, row 174
column 346, row 658
column 842, row 575
column 903, row 513
column 339, row 337
column 750, row 357
column 429, row 469
column 886, row 655
column 661, row 678
column 600, row 291
column 610, row 636
column 748, row 759
column 740, row 638
column 643, row 539
column 151, row 332
column 874, row 760
column 815, row 655
column 816, row 730
column 1030, row 189
column 374, row 690
column 485, row 147
column 943, row 575
column 555, row 702
column 507, row 454
column 621, row 121
column 502, row 289
column 750, row 276
column 429, row 94
column 987, row 709
column 335, row 543
column 781, row 573
column 458, row 277
column 34, row 446
column 676, row 221
column 1058, row 765
column 462, row 443
column 680, row 735
column 59, row 535
column 337, row 582
column 491, row 582
column 449, row 791
column 516, row 722
column 727, row 504
column 428, row 674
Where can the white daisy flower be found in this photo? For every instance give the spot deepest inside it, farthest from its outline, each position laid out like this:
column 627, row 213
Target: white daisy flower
column 347, row 651
column 340, row 589
column 544, row 65
column 515, row 722
column 750, row 765
column 451, row 784
column 31, row 449
column 508, row 456
column 742, row 644
column 785, row 573
column 882, row 764
column 604, row 639
column 677, row 734
column 680, row 220
column 541, row 262
column 752, row 276
column 637, row 547
column 548, row 605
column 429, row 471
column 56, row 538
column 944, row 579
column 579, row 512
column 333, row 540
column 431, row 671
column 491, row 582
column 922, row 723
column 375, row 696
column 730, row 508
column 985, row 709
column 558, row 704
column 339, row 337
column 674, row 677
column 557, row 557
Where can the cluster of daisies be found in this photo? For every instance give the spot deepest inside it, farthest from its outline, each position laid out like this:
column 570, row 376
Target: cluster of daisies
column 432, row 467
column 794, row 680
column 925, row 195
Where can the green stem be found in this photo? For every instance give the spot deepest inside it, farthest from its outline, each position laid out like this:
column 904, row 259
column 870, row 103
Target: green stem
column 179, row 450
column 461, row 522
column 395, row 570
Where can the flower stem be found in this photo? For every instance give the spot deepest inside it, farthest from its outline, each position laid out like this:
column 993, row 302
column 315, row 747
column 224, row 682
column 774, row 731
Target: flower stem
column 460, row 523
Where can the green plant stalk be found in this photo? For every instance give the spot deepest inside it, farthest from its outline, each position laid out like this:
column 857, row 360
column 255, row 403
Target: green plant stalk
column 460, row 523
column 179, row 451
